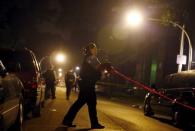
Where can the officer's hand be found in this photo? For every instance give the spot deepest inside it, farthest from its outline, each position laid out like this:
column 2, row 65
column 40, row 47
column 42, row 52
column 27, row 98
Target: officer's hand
column 108, row 67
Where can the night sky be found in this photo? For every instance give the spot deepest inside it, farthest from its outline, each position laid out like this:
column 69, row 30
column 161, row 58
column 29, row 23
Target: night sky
column 68, row 25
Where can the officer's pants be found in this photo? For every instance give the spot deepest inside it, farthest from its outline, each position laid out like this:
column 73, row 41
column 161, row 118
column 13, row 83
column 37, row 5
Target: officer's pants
column 68, row 90
column 84, row 97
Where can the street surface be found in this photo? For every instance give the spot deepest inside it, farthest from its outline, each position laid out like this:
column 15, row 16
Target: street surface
column 114, row 116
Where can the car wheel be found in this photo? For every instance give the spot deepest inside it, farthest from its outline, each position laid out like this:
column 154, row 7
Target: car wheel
column 176, row 118
column 148, row 109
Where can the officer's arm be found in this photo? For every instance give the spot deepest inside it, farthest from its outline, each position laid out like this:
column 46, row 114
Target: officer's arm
column 94, row 62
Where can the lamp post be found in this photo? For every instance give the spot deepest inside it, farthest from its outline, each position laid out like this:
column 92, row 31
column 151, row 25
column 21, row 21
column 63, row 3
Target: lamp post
column 134, row 18
column 186, row 34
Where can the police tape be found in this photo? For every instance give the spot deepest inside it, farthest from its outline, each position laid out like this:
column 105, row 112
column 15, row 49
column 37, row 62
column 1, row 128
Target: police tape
column 129, row 79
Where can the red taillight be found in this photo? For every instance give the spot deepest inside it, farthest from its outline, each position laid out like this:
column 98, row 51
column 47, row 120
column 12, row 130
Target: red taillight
column 34, row 85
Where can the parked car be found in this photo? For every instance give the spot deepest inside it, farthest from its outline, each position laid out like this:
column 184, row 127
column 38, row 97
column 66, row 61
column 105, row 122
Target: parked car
column 11, row 100
column 24, row 64
column 179, row 87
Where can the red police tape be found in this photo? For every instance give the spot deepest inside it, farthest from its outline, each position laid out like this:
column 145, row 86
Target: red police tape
column 114, row 71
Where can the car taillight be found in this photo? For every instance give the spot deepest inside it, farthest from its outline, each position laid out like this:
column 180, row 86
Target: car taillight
column 34, row 85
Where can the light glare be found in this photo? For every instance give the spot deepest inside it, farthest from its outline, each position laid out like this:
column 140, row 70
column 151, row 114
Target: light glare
column 134, row 18
column 60, row 58
column 60, row 74
column 60, row 69
column 105, row 71
column 77, row 68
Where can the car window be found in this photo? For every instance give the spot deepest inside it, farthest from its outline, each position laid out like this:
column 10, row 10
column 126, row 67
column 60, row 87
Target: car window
column 25, row 61
column 14, row 60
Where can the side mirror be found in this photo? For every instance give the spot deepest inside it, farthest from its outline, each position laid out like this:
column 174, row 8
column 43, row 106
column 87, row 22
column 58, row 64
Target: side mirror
column 2, row 69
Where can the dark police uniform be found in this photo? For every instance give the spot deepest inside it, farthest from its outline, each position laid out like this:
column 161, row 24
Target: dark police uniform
column 50, row 83
column 70, row 80
column 89, row 75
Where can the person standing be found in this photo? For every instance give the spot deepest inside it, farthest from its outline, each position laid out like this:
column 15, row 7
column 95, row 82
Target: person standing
column 90, row 73
column 76, row 87
column 50, row 80
column 70, row 80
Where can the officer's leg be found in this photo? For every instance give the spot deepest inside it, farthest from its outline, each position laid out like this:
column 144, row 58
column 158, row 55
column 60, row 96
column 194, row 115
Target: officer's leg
column 68, row 90
column 53, row 91
column 69, row 117
column 93, row 112
column 47, row 92
column 91, row 102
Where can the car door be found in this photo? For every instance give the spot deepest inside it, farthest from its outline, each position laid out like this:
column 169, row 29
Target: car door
column 9, row 99
column 165, row 106
column 154, row 102
column 39, row 78
column 160, row 105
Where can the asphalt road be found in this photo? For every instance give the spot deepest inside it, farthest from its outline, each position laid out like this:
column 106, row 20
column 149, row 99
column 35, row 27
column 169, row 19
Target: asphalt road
column 114, row 116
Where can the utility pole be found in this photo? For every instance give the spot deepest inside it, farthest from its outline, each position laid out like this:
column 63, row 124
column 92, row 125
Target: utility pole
column 181, row 49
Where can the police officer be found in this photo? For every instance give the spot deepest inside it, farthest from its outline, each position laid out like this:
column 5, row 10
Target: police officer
column 90, row 73
column 70, row 80
column 50, row 80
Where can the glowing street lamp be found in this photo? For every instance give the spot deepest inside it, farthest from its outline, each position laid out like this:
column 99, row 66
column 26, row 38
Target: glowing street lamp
column 77, row 68
column 60, row 70
column 135, row 18
column 60, row 74
column 60, row 58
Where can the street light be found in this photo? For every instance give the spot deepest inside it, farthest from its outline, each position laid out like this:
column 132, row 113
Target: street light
column 60, row 58
column 60, row 74
column 132, row 19
column 60, row 69
column 77, row 68
column 186, row 34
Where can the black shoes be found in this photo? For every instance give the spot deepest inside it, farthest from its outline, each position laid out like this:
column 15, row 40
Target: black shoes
column 98, row 126
column 68, row 124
